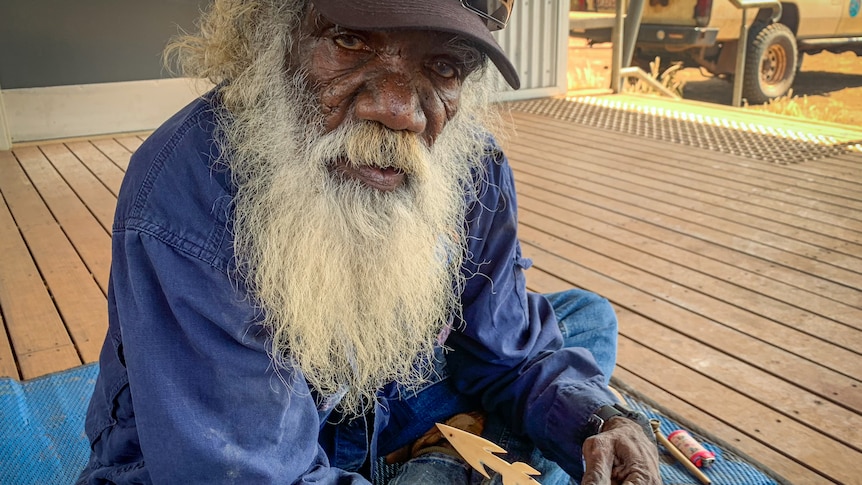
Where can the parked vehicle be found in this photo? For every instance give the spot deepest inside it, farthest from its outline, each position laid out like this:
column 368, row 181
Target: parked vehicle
column 706, row 33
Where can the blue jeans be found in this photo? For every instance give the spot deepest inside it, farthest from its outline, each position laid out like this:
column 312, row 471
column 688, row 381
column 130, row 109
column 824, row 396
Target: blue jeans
column 586, row 320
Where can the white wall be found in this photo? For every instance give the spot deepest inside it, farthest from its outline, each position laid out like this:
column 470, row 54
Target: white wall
column 92, row 109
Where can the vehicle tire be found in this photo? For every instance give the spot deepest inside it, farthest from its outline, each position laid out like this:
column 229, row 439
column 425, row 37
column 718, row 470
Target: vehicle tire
column 770, row 62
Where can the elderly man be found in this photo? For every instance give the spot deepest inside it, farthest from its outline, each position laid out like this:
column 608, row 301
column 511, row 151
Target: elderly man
column 317, row 261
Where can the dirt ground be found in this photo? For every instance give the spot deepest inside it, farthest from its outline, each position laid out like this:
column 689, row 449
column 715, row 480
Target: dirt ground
column 828, row 83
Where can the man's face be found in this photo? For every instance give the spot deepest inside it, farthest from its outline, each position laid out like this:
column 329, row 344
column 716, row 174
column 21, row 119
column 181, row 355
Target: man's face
column 407, row 81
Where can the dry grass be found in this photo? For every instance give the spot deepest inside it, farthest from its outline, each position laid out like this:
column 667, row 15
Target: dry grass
column 800, row 107
column 586, row 77
column 667, row 78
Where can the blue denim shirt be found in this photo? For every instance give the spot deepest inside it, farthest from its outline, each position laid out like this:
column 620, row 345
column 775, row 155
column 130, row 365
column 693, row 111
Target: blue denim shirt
column 187, row 392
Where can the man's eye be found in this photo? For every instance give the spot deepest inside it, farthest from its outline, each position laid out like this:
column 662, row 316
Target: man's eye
column 444, row 69
column 349, row 42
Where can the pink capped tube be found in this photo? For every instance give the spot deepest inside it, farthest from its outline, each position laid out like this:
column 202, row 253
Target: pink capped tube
column 700, row 456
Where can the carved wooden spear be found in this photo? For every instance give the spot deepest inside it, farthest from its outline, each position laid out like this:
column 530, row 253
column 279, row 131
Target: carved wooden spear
column 479, row 453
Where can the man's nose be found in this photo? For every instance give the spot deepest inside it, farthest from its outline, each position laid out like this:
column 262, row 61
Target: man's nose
column 392, row 99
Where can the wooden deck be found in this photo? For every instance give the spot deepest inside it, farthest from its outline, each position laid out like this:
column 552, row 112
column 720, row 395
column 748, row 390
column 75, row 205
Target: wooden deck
column 737, row 281
column 56, row 209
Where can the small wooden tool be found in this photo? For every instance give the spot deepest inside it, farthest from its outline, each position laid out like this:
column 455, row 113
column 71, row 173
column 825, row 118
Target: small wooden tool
column 479, row 453
column 678, row 454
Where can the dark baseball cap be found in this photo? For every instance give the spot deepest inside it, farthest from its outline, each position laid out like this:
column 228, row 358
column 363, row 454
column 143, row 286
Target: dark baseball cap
column 471, row 19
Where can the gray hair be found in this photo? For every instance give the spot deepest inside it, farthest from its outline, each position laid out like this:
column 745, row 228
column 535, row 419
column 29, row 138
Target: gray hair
column 235, row 38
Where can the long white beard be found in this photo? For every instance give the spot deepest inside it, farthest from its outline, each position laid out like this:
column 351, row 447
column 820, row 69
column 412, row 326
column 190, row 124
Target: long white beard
column 355, row 284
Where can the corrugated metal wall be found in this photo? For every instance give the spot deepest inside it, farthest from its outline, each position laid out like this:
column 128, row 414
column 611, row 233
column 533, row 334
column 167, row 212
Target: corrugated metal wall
column 536, row 42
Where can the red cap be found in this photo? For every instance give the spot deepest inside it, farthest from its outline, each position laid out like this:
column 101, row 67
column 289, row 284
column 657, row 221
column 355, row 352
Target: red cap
column 440, row 15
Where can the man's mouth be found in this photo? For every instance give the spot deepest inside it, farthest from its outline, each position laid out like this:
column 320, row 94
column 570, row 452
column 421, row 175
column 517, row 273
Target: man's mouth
column 383, row 179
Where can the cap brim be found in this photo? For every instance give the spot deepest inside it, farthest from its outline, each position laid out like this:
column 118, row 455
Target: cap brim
column 440, row 15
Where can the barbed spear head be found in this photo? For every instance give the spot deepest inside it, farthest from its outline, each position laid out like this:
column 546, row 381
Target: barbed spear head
column 479, row 453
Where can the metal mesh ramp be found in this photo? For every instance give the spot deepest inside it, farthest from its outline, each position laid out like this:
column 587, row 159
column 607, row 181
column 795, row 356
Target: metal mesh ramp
column 754, row 140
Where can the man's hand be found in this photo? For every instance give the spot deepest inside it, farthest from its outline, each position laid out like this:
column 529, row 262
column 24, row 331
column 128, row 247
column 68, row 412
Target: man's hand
column 621, row 454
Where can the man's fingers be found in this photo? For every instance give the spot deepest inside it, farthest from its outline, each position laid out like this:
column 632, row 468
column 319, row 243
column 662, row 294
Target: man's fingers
column 599, row 461
column 632, row 477
column 621, row 454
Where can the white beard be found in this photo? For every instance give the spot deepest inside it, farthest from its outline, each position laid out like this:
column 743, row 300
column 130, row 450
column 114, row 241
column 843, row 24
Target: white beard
column 355, row 284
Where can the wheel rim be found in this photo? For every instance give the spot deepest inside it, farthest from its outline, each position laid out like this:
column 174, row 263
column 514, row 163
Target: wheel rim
column 773, row 65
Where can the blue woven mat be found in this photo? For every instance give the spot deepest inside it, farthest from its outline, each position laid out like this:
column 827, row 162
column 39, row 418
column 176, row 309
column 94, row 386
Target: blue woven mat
column 42, row 439
column 728, row 469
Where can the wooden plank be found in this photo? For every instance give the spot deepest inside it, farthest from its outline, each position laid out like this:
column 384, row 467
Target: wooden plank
column 683, row 235
column 669, row 284
column 686, row 236
column 743, row 312
column 753, row 450
column 779, row 282
column 828, row 261
column 618, row 234
column 101, row 166
column 8, row 368
column 118, row 154
column 81, row 302
column 77, row 296
column 131, row 143
column 89, row 189
column 757, row 192
column 772, row 446
column 789, row 437
column 645, row 294
column 786, row 397
column 695, row 280
column 90, row 239
column 831, row 249
column 835, row 184
column 840, row 189
column 26, row 144
column 778, row 393
column 38, row 337
column 687, row 414
column 852, row 156
column 846, row 237
column 823, row 318
column 663, row 158
column 835, row 249
column 798, row 254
